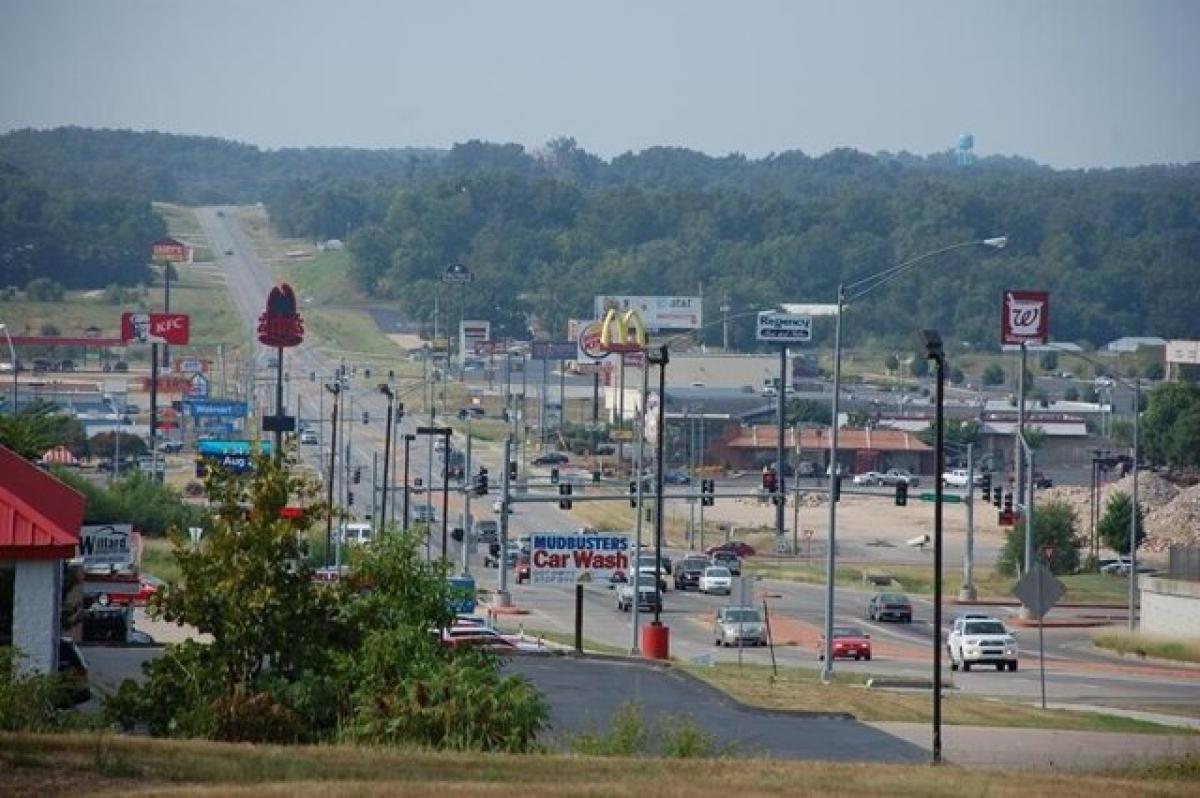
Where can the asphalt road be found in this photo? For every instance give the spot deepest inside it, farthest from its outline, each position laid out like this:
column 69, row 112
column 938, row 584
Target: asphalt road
column 1074, row 672
column 585, row 693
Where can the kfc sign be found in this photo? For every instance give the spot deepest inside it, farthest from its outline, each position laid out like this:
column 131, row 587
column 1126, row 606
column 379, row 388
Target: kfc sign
column 280, row 325
column 168, row 250
column 154, row 328
column 1025, row 317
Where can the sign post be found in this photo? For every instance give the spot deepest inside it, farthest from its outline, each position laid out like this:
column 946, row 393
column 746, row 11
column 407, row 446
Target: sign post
column 783, row 329
column 1039, row 591
column 1024, row 320
column 280, row 326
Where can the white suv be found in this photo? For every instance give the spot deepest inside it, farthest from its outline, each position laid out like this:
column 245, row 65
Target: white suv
column 982, row 641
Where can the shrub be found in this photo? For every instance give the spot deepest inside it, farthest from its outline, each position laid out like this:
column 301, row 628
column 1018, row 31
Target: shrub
column 43, row 289
column 993, row 375
column 33, row 702
column 1053, row 525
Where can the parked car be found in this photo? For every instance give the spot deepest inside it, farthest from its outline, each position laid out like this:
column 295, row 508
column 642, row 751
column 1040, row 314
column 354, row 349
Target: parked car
column 676, row 478
column 957, row 478
column 738, row 547
column 171, row 447
column 739, row 626
column 889, row 606
column 894, row 476
column 1122, row 565
column 648, row 598
column 424, row 513
column 689, row 571
column 551, row 458
column 848, row 641
column 716, row 579
column 727, row 559
column 147, row 587
column 981, row 641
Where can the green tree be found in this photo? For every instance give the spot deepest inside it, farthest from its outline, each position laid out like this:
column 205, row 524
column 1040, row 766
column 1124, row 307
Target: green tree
column 1048, row 361
column 1113, row 528
column 957, row 377
column 43, row 289
column 1054, row 526
column 104, row 444
column 1171, row 425
column 891, row 363
column 993, row 375
column 806, row 411
column 919, row 367
column 37, row 427
column 956, row 432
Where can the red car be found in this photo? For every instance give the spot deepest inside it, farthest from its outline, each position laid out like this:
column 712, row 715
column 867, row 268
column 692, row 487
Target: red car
column 523, row 569
column 740, row 548
column 147, row 587
column 848, row 642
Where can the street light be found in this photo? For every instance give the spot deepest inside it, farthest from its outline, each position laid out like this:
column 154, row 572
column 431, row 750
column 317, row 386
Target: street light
column 408, row 439
column 12, row 354
column 660, row 634
column 334, row 388
column 848, row 293
column 936, row 352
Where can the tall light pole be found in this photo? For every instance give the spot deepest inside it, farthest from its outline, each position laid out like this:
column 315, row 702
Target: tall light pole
column 334, row 388
column 848, row 293
column 408, row 439
column 935, row 352
column 12, row 354
column 386, row 390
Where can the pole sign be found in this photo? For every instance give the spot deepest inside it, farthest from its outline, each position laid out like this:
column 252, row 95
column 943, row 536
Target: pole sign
column 155, row 328
column 552, row 350
column 233, row 463
column 1025, row 317
column 168, row 250
column 232, row 447
column 280, row 325
column 192, row 365
column 199, row 387
column 457, row 273
column 562, row 559
column 217, row 408
column 783, row 328
column 108, row 544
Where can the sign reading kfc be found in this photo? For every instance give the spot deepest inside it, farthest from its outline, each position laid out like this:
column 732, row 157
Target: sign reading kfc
column 1025, row 317
column 154, row 328
column 280, row 325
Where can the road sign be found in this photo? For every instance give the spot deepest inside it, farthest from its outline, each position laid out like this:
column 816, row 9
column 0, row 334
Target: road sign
column 783, row 328
column 564, row 559
column 947, row 498
column 1038, row 590
column 621, row 435
column 218, row 408
column 199, row 389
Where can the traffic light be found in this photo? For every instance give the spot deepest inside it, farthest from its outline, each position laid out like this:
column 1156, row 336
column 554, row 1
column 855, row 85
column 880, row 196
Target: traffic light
column 481, row 482
column 901, row 494
column 707, row 487
column 837, row 488
column 1008, row 507
column 770, row 481
column 554, row 475
column 366, row 417
column 350, row 498
column 996, row 491
column 357, row 474
column 367, row 373
column 564, row 490
column 512, row 469
column 312, row 376
column 985, row 485
column 633, row 493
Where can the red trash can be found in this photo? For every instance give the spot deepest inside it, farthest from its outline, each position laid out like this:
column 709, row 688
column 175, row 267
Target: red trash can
column 656, row 641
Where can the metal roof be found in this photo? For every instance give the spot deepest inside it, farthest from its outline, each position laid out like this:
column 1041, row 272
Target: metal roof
column 39, row 515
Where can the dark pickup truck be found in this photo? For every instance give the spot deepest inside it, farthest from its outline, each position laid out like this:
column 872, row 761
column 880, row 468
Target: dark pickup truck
column 689, row 571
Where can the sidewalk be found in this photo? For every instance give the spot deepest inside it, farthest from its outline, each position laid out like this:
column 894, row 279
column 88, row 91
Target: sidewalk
column 1045, row 749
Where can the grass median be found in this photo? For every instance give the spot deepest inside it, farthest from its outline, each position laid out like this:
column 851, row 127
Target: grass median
column 90, row 764
column 1144, row 645
column 800, row 689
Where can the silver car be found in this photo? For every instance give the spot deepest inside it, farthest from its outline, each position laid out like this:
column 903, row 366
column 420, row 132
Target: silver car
column 739, row 626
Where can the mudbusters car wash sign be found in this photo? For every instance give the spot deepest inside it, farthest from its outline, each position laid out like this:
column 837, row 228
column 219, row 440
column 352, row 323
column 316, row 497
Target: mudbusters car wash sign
column 561, row 559
column 280, row 325
column 1025, row 317
column 168, row 250
column 154, row 328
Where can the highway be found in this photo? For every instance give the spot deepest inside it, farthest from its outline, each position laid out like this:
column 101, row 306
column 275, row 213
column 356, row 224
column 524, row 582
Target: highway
column 1075, row 672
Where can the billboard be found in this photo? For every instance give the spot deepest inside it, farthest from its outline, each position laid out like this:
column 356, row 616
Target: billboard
column 168, row 250
column 1183, row 352
column 657, row 312
column 1025, row 317
column 155, row 328
column 561, row 559
column 470, row 335
column 783, row 328
column 552, row 350
column 280, row 325
column 108, row 544
column 217, row 408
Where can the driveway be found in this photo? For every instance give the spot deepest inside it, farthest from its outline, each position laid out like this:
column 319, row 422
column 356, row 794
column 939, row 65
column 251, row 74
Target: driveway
column 585, row 693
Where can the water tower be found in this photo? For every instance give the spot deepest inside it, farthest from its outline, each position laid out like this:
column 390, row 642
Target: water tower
column 966, row 147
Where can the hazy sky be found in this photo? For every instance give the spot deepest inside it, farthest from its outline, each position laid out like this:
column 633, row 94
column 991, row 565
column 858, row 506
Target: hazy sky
column 1066, row 82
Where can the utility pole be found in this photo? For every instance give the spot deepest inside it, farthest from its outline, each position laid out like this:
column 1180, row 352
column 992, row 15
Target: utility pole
column 781, row 490
column 968, row 587
column 640, row 511
column 502, row 595
column 725, row 308
column 467, row 491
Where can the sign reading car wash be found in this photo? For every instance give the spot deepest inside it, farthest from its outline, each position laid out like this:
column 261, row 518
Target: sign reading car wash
column 783, row 328
column 154, row 328
column 1025, row 317
column 108, row 544
column 168, row 250
column 563, row 559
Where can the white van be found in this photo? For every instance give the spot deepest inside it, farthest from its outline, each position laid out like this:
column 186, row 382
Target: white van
column 357, row 534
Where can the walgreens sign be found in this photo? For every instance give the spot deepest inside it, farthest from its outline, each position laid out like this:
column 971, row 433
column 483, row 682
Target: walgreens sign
column 154, row 328
column 1025, row 317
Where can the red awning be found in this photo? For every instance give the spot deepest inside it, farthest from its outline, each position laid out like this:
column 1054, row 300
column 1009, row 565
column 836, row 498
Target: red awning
column 39, row 515
column 60, row 455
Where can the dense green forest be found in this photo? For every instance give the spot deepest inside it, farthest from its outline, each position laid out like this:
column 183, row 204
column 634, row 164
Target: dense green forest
column 74, row 238
column 544, row 230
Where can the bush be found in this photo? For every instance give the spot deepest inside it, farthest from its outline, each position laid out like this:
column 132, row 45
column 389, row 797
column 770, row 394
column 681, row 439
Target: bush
column 628, row 735
column 1071, row 394
column 1048, row 361
column 1054, row 524
column 993, row 375
column 49, row 330
column 1113, row 529
column 33, row 702
column 43, row 289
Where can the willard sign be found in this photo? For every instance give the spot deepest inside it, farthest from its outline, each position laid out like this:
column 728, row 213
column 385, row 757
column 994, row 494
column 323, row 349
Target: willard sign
column 563, row 559
column 108, row 544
